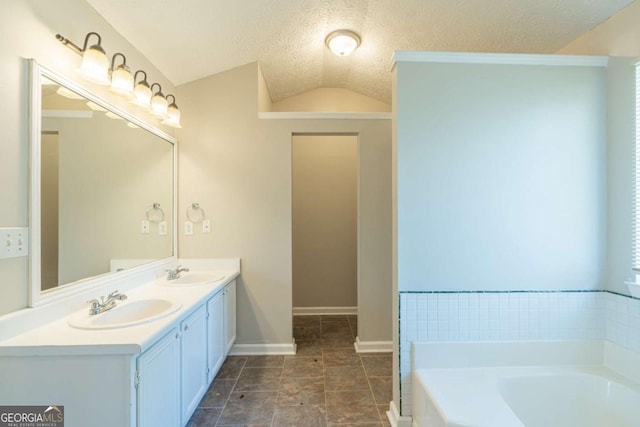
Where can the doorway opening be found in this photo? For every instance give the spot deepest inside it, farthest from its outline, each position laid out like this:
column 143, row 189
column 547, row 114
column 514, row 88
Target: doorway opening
column 324, row 225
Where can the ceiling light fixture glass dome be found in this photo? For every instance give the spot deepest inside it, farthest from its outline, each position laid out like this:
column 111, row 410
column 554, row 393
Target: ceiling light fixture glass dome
column 342, row 42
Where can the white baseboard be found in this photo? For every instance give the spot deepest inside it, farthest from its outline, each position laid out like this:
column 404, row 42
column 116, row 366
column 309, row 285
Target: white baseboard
column 309, row 311
column 395, row 419
column 263, row 349
column 373, row 346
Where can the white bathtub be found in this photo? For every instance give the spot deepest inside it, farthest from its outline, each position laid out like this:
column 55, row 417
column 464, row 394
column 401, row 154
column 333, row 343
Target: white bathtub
column 544, row 384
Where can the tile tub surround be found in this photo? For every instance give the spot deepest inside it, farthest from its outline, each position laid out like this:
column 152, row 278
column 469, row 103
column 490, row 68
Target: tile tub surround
column 512, row 316
column 326, row 383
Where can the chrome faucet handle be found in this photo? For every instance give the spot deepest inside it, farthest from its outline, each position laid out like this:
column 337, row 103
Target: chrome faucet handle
column 94, row 303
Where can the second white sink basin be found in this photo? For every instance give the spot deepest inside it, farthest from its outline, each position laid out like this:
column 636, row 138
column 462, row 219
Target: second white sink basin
column 127, row 313
column 192, row 278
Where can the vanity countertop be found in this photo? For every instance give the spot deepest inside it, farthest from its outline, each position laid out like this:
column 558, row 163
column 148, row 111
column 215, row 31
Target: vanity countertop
column 57, row 338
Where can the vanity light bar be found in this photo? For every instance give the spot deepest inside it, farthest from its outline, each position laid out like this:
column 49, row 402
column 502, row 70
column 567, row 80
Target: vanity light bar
column 96, row 68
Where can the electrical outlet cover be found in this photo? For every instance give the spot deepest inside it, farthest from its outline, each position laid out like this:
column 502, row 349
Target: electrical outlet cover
column 206, row 226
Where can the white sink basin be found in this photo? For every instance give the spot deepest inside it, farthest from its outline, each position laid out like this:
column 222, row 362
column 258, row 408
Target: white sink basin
column 192, row 278
column 127, row 313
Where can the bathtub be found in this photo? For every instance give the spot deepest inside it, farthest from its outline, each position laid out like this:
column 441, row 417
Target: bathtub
column 533, row 384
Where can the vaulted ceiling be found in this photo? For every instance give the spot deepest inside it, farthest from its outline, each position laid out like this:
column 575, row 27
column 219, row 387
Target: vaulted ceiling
column 191, row 39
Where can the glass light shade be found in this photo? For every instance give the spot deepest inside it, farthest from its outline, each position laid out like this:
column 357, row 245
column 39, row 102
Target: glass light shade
column 113, row 115
column 159, row 105
column 63, row 91
column 122, row 82
column 95, row 107
column 173, row 118
column 343, row 42
column 95, row 66
column 142, row 95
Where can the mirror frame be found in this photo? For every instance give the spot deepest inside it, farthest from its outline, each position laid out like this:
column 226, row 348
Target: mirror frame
column 36, row 296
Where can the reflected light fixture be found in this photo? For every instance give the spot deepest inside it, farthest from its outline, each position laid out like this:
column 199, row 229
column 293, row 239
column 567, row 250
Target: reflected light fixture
column 95, row 107
column 342, row 42
column 173, row 114
column 159, row 104
column 67, row 93
column 95, row 64
column 112, row 115
column 141, row 91
column 121, row 78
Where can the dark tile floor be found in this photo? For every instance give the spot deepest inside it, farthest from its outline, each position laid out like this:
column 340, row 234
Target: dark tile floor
column 325, row 384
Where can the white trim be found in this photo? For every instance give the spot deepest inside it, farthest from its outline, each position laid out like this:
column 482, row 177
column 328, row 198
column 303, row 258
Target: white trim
column 373, row 346
column 395, row 419
column 500, row 58
column 274, row 115
column 263, row 349
column 315, row 311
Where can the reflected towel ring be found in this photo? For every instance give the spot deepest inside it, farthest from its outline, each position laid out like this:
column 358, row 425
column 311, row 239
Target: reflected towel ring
column 195, row 213
column 155, row 213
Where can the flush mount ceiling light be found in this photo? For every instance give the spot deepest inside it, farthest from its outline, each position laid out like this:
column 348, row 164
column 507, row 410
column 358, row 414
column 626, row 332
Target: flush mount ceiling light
column 159, row 104
column 121, row 78
column 342, row 42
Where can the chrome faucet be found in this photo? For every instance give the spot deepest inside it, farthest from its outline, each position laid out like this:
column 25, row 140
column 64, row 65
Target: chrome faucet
column 102, row 305
column 175, row 274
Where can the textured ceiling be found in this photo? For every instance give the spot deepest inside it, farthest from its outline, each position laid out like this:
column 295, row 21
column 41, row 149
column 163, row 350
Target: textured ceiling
column 191, row 39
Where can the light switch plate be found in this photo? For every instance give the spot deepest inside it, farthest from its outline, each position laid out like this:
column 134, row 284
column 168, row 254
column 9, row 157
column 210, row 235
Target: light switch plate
column 144, row 227
column 206, row 226
column 188, row 228
column 14, row 242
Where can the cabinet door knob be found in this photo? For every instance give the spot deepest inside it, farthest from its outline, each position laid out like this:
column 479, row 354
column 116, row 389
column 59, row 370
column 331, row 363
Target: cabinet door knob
column 186, row 327
column 177, row 335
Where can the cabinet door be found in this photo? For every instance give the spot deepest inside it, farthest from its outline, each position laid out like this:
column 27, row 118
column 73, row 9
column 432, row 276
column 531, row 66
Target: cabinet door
column 216, row 334
column 158, row 383
column 230, row 315
column 193, row 352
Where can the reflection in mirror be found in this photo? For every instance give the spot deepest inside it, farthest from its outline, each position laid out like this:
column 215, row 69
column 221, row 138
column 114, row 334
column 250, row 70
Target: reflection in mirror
column 103, row 183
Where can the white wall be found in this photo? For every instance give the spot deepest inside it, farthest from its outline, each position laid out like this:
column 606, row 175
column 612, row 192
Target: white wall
column 238, row 167
column 499, row 182
column 27, row 30
column 618, row 36
column 324, row 220
column 501, row 177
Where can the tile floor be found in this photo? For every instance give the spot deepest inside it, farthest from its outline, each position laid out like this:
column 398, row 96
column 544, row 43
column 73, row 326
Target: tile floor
column 325, row 384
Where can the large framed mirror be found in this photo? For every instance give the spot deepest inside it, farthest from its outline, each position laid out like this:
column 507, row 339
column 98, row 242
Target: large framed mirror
column 102, row 190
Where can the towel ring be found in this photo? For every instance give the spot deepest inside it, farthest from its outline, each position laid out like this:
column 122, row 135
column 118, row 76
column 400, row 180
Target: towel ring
column 195, row 213
column 155, row 213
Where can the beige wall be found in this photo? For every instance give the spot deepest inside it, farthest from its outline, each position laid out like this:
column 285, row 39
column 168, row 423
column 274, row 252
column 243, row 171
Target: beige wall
column 324, row 199
column 27, row 30
column 330, row 100
column 238, row 168
column 617, row 36
column 110, row 175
